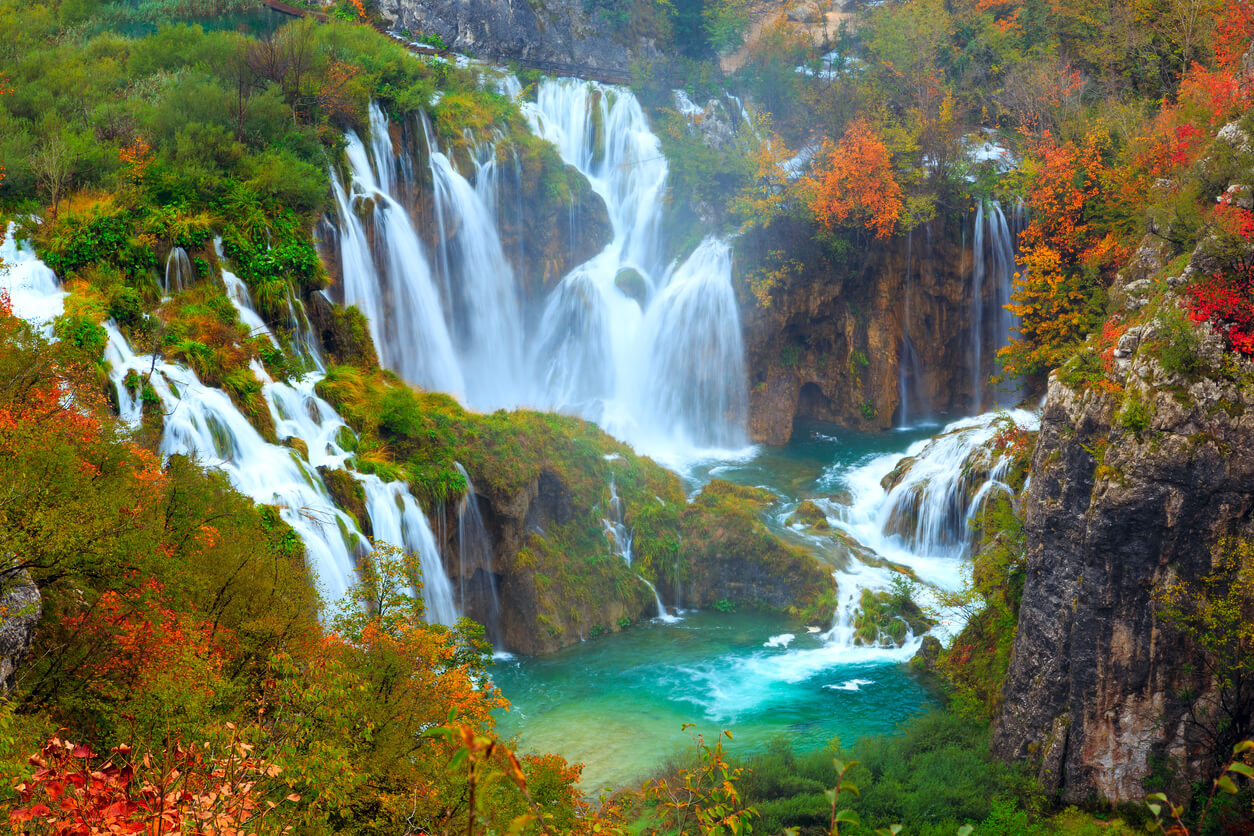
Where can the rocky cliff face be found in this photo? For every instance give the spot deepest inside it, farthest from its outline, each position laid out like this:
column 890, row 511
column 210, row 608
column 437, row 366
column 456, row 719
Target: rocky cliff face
column 1133, row 481
column 726, row 556
column 844, row 338
column 518, row 612
column 562, row 31
column 20, row 608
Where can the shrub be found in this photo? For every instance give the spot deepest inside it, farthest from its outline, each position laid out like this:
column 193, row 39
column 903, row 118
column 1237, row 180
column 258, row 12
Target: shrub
column 1177, row 345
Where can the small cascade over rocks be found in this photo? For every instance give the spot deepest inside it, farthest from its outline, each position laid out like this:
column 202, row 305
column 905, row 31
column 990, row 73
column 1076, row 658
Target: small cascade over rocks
column 203, row 423
column 620, row 539
column 179, row 273
column 922, row 503
column 909, row 518
column 649, row 349
column 34, row 293
column 476, row 579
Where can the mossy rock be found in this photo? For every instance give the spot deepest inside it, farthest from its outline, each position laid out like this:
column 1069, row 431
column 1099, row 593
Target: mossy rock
column 733, row 556
column 841, row 498
column 633, row 285
column 809, row 515
column 349, row 495
column 884, row 619
column 898, row 473
column 299, row 445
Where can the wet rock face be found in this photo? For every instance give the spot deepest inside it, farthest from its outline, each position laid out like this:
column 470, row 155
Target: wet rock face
column 20, row 608
column 1093, row 694
column 561, row 31
column 546, row 238
column 829, row 347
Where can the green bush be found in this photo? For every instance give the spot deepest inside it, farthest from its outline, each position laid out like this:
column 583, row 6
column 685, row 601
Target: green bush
column 82, row 333
column 1177, row 343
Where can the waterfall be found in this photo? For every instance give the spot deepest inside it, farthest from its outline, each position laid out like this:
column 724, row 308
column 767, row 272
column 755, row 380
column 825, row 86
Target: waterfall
column 908, row 369
column 994, row 267
column 385, row 271
column 620, row 537
column 474, row 555
column 178, row 271
column 915, row 510
column 977, row 309
column 397, row 518
column 478, row 283
column 203, row 423
column 661, row 366
column 34, row 293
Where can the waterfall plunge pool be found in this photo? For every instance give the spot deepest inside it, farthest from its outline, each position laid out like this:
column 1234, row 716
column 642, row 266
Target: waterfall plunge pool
column 617, row 702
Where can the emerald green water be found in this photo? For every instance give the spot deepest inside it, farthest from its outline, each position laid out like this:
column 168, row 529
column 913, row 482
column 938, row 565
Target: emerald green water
column 616, row 703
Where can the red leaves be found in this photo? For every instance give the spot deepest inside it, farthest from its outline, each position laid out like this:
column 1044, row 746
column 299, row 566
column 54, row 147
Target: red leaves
column 1226, row 298
column 1225, row 301
column 1234, row 29
column 71, row 792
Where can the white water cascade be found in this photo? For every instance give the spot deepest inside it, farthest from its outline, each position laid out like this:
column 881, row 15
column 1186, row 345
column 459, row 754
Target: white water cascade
column 203, row 423
column 921, row 519
column 178, row 271
column 994, row 267
column 664, row 371
column 620, row 539
column 474, row 557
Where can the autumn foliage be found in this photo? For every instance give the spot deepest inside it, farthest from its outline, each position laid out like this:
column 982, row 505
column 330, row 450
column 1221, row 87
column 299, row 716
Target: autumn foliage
column 854, row 183
column 1226, row 297
column 1064, row 251
column 184, row 790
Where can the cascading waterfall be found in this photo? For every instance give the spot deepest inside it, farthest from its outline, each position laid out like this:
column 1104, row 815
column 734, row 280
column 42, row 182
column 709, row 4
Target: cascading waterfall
column 478, row 281
column 662, row 368
column 397, row 518
column 385, row 271
column 34, row 293
column 202, row 423
column 915, row 510
column 993, row 262
column 178, row 271
column 474, row 555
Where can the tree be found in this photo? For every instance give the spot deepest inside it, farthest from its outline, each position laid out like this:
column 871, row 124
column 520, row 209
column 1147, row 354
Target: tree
column 854, row 183
column 1216, row 615
column 53, row 166
column 1065, row 251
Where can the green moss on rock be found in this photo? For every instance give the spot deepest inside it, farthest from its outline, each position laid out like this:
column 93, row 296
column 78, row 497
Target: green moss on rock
column 809, row 515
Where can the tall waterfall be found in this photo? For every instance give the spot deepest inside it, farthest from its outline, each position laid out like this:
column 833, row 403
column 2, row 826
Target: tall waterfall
column 993, row 269
column 663, row 368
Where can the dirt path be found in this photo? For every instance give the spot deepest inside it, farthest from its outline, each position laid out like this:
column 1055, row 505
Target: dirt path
column 820, row 17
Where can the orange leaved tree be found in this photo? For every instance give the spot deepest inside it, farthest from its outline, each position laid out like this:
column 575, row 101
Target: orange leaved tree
column 1065, row 251
column 854, row 184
